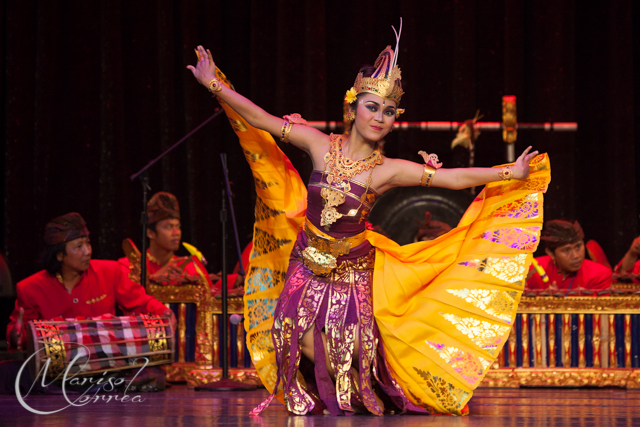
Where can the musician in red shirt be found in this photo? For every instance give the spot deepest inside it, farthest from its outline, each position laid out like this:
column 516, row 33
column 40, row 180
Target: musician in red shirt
column 74, row 285
column 565, row 265
column 164, row 233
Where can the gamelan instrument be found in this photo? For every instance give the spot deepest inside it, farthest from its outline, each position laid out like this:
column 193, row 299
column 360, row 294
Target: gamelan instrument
column 104, row 343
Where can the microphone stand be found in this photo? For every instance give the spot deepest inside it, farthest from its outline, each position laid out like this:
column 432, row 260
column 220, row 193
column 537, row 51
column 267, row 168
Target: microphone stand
column 225, row 384
column 144, row 180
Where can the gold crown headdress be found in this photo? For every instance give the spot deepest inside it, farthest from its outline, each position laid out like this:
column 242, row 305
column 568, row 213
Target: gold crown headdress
column 386, row 80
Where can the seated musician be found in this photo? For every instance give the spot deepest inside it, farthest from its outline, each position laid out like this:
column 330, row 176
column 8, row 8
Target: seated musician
column 73, row 285
column 565, row 265
column 629, row 265
column 164, row 233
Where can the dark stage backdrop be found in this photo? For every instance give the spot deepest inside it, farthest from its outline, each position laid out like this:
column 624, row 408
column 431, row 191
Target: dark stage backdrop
column 92, row 90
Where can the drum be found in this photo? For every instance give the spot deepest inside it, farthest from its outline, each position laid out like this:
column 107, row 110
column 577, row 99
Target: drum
column 96, row 345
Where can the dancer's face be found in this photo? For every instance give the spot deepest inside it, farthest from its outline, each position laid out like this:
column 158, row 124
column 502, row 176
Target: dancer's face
column 374, row 116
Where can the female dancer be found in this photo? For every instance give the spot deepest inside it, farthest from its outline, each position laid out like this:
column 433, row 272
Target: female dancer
column 330, row 354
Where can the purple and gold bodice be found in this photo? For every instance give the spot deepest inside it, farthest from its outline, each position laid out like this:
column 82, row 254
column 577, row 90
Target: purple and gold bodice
column 359, row 197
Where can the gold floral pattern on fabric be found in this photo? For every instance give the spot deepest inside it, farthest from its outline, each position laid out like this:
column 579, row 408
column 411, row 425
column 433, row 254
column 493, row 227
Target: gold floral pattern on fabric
column 500, row 304
column 524, row 208
column 519, row 238
column 263, row 185
column 349, row 283
column 254, row 157
column 361, row 280
column 538, row 164
column 296, row 399
column 537, row 185
column 238, row 125
column 299, row 400
column 260, row 279
column 364, row 262
column 260, row 310
column 261, row 345
column 340, row 341
column 422, row 404
column 486, row 335
column 508, row 268
column 264, row 242
column 470, row 367
column 450, row 397
column 264, row 211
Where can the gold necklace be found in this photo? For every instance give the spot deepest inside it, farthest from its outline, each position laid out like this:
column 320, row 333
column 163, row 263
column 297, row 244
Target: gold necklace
column 342, row 170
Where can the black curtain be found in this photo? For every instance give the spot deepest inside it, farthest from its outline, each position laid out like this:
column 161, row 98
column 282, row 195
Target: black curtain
column 92, row 90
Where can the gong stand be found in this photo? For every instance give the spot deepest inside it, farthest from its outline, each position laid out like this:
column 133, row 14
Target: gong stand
column 225, row 383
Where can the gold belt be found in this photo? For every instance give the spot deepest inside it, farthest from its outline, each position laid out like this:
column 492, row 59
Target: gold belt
column 322, row 250
column 325, row 243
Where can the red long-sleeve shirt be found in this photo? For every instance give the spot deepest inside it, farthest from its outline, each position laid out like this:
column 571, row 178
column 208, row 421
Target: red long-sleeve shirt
column 100, row 288
column 153, row 267
column 591, row 276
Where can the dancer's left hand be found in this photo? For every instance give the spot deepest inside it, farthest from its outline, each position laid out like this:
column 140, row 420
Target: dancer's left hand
column 521, row 167
column 205, row 68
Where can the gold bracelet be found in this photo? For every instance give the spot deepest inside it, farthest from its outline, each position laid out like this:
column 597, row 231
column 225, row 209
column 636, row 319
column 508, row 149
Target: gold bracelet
column 427, row 176
column 506, row 173
column 214, row 86
column 286, row 129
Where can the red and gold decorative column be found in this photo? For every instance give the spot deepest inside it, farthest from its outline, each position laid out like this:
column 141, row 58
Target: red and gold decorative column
column 566, row 340
column 627, row 340
column 216, row 340
column 613, row 360
column 538, row 340
column 525, row 340
column 552, row 340
column 582, row 359
column 182, row 331
column 595, row 341
column 513, row 346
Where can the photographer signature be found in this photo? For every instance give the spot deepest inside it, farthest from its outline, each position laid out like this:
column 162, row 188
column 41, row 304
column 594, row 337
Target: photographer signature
column 110, row 385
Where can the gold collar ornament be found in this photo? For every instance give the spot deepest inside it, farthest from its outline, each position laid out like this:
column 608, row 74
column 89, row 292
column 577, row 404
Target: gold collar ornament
column 385, row 81
column 341, row 171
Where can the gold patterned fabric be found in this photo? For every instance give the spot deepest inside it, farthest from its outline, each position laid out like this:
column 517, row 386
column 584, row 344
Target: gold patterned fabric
column 280, row 211
column 443, row 308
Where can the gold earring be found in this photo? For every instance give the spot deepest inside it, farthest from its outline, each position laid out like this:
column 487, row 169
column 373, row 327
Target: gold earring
column 351, row 116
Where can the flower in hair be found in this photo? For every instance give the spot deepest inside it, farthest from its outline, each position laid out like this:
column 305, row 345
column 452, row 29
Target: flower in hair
column 351, row 95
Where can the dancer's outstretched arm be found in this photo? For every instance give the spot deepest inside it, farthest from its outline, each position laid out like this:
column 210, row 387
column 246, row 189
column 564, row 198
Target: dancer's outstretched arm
column 304, row 137
column 403, row 173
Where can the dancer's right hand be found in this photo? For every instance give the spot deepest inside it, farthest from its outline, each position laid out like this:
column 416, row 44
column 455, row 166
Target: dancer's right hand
column 205, row 68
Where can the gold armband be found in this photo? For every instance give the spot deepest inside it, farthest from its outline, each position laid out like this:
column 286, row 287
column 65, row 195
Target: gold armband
column 506, row 173
column 214, row 86
column 427, row 176
column 286, row 129
column 289, row 121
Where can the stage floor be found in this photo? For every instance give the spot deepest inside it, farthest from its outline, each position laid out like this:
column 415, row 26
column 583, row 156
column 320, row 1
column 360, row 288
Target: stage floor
column 180, row 406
